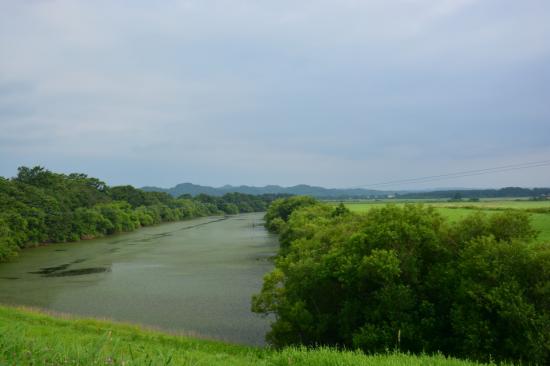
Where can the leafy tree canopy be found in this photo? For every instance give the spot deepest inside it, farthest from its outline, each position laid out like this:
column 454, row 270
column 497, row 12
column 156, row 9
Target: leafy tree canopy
column 39, row 206
column 406, row 278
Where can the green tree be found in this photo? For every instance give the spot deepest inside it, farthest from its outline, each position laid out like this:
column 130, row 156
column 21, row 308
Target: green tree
column 40, row 206
column 282, row 208
column 404, row 277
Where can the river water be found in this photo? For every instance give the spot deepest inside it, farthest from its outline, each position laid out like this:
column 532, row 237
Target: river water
column 195, row 277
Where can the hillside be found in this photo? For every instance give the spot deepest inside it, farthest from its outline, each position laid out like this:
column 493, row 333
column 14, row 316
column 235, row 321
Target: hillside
column 301, row 189
column 30, row 337
column 357, row 193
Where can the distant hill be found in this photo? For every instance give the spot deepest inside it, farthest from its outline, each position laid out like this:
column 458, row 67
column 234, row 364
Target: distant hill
column 302, row 189
column 509, row 192
column 344, row 193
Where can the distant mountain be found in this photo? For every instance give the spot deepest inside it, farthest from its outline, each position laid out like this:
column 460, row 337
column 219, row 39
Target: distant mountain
column 343, row 193
column 186, row 188
column 302, row 189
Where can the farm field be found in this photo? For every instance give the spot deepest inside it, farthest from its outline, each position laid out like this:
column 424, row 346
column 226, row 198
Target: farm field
column 484, row 204
column 458, row 210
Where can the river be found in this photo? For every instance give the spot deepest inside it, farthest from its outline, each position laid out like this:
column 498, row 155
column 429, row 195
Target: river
column 194, row 277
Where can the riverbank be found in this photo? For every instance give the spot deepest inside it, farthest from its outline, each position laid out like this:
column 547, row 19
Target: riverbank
column 31, row 337
column 40, row 206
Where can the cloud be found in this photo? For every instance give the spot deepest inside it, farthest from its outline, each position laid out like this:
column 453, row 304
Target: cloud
column 322, row 92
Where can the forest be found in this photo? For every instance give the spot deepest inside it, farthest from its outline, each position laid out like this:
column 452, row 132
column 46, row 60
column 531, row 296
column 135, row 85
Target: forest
column 406, row 278
column 39, row 206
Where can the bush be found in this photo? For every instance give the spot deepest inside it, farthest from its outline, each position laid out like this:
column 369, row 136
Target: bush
column 283, row 208
column 404, row 277
column 8, row 248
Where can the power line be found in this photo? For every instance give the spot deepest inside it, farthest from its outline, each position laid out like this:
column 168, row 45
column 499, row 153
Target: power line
column 460, row 174
column 466, row 173
column 463, row 174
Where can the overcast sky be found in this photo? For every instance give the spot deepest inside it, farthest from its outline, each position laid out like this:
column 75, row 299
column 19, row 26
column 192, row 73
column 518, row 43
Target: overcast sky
column 333, row 93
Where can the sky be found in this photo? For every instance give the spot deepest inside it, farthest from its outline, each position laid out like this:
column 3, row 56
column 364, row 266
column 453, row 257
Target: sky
column 340, row 93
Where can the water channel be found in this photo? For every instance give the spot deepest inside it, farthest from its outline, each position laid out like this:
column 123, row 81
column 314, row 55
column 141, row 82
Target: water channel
column 195, row 277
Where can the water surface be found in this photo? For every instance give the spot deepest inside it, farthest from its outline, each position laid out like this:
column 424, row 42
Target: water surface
column 194, row 276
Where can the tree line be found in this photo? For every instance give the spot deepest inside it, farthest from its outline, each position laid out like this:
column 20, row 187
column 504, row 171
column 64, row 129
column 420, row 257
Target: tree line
column 407, row 278
column 510, row 192
column 40, row 206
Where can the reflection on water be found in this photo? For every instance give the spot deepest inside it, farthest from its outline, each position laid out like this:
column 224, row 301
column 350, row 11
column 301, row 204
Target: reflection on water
column 195, row 276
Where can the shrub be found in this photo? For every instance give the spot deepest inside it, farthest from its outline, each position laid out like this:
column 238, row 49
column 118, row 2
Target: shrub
column 404, row 277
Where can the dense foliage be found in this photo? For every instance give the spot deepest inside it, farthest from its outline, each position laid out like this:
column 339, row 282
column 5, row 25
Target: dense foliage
column 406, row 278
column 39, row 206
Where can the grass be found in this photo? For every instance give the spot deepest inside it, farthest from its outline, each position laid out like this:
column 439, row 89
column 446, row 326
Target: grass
column 539, row 210
column 30, row 337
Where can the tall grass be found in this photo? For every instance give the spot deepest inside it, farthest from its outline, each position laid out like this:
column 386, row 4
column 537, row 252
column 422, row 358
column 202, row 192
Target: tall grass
column 28, row 337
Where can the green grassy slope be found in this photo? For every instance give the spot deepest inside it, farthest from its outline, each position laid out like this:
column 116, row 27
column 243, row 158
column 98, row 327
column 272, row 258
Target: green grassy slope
column 28, row 337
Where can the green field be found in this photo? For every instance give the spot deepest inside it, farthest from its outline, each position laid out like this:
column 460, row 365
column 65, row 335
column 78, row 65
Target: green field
column 457, row 210
column 29, row 337
column 484, row 204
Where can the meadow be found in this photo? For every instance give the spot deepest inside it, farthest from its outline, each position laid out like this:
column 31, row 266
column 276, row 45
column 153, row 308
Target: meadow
column 31, row 337
column 539, row 210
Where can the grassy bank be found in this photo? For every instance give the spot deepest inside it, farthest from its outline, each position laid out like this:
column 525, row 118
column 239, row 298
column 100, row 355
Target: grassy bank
column 29, row 337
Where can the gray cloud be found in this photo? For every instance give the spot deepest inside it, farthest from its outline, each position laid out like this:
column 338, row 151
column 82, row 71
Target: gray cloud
column 335, row 93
